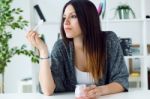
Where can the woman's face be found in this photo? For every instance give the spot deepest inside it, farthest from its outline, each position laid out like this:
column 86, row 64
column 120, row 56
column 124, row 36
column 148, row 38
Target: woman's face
column 71, row 24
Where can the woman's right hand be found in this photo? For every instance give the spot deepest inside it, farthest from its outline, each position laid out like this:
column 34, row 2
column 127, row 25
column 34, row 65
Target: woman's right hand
column 35, row 40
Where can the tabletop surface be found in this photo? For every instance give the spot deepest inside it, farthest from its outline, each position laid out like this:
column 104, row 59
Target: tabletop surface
column 124, row 95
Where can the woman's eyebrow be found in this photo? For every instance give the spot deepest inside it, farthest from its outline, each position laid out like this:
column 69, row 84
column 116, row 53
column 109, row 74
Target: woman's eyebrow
column 69, row 13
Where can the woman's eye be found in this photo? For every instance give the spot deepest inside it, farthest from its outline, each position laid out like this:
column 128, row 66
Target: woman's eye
column 73, row 16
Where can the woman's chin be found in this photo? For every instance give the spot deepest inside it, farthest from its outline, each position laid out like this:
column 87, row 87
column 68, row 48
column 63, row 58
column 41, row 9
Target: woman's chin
column 69, row 36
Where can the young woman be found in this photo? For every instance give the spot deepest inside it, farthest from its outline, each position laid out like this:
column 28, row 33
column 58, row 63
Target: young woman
column 84, row 55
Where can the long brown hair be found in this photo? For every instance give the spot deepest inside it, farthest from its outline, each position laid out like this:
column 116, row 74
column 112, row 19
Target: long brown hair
column 94, row 42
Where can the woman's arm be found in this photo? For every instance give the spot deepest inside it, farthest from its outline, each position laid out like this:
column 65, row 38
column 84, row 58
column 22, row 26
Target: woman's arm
column 116, row 67
column 94, row 91
column 109, row 89
column 45, row 75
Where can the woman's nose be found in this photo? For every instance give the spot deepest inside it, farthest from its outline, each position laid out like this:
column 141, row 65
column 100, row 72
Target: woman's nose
column 67, row 22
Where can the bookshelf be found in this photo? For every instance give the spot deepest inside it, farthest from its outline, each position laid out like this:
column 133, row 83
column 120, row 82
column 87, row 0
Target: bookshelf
column 137, row 29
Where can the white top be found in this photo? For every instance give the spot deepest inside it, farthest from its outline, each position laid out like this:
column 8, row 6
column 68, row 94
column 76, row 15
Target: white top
column 83, row 77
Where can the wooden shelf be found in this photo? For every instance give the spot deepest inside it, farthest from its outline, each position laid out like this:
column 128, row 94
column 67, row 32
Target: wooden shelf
column 127, row 57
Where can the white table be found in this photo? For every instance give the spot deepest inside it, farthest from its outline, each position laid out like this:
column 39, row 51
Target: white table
column 127, row 95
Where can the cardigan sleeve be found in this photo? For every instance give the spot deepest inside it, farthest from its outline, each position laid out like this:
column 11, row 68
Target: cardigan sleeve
column 57, row 66
column 117, row 68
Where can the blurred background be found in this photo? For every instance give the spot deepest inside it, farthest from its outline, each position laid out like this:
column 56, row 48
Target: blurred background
column 129, row 19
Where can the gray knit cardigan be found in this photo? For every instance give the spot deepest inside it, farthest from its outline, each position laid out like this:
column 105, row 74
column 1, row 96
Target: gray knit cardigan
column 63, row 70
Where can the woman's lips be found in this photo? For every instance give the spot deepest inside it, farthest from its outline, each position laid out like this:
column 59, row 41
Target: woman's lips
column 67, row 29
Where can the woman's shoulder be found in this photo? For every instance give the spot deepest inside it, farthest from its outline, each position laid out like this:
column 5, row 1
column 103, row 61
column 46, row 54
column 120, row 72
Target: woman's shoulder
column 112, row 40
column 110, row 36
column 60, row 44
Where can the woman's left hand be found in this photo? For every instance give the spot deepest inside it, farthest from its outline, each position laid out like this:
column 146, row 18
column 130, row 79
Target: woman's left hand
column 92, row 92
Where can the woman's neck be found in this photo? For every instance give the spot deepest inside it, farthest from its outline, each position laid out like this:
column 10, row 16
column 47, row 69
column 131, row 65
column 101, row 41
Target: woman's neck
column 78, row 43
column 80, row 56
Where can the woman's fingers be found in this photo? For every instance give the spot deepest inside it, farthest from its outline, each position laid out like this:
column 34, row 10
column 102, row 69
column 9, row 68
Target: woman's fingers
column 28, row 36
column 95, row 93
column 87, row 89
column 35, row 40
column 31, row 36
column 91, row 92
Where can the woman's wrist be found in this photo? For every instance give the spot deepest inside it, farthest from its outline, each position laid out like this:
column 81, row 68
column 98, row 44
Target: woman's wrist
column 103, row 90
column 44, row 54
column 43, row 58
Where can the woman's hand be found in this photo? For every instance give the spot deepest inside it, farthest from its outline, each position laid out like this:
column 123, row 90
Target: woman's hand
column 35, row 40
column 92, row 92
